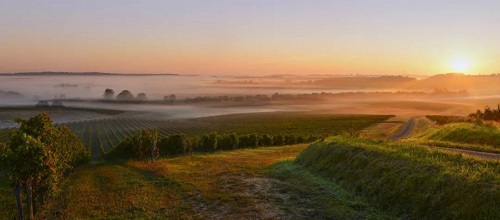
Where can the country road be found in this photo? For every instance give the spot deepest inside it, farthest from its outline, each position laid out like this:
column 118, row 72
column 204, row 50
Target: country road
column 406, row 131
column 408, row 127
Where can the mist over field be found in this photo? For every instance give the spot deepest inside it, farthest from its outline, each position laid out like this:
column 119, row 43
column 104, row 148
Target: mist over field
column 200, row 96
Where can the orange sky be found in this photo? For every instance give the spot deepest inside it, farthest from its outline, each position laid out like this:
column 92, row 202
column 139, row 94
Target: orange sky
column 251, row 37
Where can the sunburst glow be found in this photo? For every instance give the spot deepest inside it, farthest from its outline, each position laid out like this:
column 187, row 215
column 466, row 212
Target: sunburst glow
column 460, row 65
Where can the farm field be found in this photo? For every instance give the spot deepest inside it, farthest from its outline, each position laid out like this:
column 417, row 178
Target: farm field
column 325, row 180
column 101, row 135
column 58, row 115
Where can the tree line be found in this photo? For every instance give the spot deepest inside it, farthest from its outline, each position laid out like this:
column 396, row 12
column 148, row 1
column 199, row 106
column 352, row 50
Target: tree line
column 146, row 145
column 488, row 114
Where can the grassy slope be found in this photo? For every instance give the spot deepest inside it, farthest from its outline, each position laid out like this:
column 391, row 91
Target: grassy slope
column 468, row 136
column 468, row 133
column 234, row 184
column 410, row 179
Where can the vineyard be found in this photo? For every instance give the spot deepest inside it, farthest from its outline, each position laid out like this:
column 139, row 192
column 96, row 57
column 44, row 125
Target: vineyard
column 101, row 135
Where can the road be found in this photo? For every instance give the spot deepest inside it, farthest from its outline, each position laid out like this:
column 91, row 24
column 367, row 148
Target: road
column 408, row 127
column 406, row 131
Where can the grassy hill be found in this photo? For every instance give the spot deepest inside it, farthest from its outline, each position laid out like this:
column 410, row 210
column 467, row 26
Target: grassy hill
column 412, row 180
column 468, row 133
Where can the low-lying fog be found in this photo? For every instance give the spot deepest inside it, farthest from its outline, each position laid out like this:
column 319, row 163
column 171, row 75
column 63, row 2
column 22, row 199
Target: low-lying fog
column 459, row 100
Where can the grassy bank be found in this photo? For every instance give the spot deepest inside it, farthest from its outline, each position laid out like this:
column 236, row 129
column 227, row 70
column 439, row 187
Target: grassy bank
column 467, row 133
column 456, row 145
column 409, row 179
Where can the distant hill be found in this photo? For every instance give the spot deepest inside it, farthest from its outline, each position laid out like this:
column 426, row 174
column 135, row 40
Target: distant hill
column 366, row 82
column 84, row 74
column 461, row 81
column 10, row 94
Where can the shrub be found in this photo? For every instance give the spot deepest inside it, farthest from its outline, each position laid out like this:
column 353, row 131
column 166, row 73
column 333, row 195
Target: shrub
column 227, row 142
column 290, row 139
column 173, row 145
column 141, row 146
column 266, row 140
column 249, row 140
column 208, row 143
column 300, row 140
column 279, row 140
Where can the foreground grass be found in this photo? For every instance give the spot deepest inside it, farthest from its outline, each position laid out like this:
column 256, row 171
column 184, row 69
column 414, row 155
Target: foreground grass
column 240, row 184
column 7, row 202
column 308, row 195
column 413, row 180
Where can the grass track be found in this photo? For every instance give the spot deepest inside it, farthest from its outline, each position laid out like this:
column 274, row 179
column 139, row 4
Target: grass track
column 257, row 183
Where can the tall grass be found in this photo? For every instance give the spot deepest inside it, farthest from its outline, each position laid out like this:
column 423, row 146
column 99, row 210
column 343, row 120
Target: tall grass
column 470, row 133
column 411, row 180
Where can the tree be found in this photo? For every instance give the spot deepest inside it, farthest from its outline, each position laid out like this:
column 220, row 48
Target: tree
column 141, row 96
column 109, row 94
column 37, row 158
column 170, row 98
column 125, row 95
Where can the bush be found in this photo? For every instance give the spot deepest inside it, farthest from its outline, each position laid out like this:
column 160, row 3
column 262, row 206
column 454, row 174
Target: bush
column 139, row 146
column 208, row 143
column 249, row 140
column 174, row 145
column 290, row 139
column 227, row 142
column 279, row 140
column 266, row 140
column 300, row 140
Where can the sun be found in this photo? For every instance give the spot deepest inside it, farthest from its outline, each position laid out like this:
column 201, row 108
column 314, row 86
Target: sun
column 460, row 65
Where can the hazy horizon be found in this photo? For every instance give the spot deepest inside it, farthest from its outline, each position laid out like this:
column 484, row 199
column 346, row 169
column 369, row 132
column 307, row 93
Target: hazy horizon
column 251, row 37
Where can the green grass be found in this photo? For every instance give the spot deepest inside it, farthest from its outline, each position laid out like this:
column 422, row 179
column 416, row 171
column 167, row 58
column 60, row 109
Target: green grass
column 259, row 183
column 456, row 145
column 412, row 180
column 7, row 200
column 323, row 198
column 467, row 133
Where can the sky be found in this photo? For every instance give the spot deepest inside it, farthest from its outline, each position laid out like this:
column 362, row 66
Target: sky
column 259, row 37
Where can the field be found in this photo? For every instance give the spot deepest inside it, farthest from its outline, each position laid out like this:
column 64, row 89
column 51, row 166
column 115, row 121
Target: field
column 337, row 178
column 100, row 136
column 59, row 114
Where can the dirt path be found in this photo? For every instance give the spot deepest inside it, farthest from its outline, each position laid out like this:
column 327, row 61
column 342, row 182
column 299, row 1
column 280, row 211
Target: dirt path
column 408, row 127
